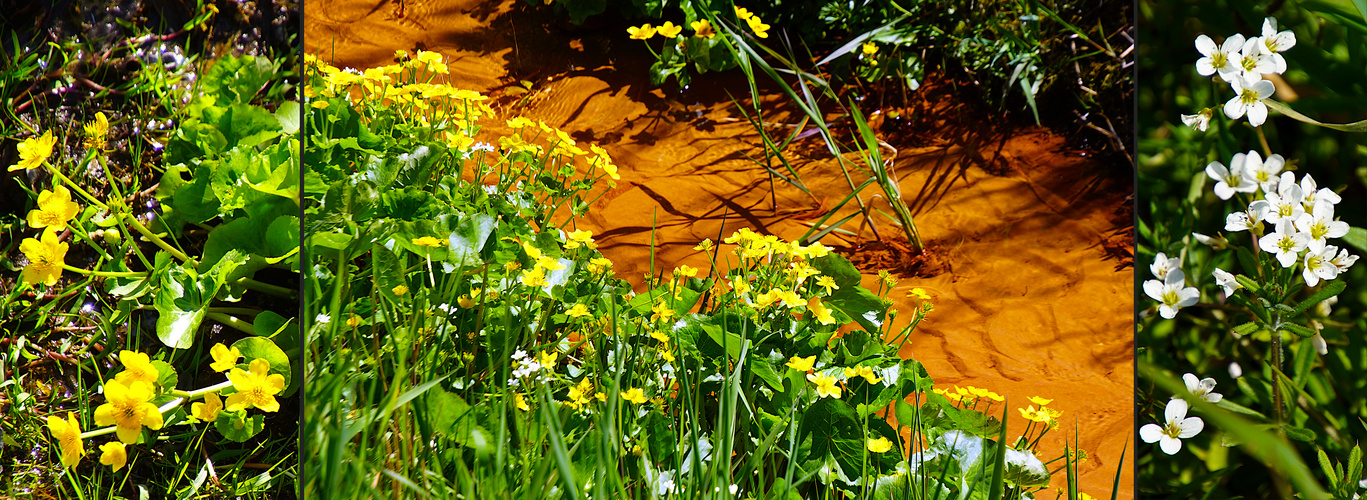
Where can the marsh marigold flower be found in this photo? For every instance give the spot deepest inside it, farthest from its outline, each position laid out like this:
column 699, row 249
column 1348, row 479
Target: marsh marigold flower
column 225, row 358
column 802, row 364
column 703, row 28
column 825, row 386
column 97, row 132
column 642, row 32
column 129, row 408
column 68, row 435
column 208, row 410
column 578, row 311
column 820, row 311
column 669, row 30
column 114, row 455
column 46, row 256
column 880, row 445
column 869, row 48
column 137, row 366
column 761, row 30
column 34, row 150
column 55, row 209
column 400, row 290
column 635, row 396
column 428, row 241
column 256, row 388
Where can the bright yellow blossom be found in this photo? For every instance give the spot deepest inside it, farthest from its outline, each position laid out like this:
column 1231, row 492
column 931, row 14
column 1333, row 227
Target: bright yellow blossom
column 428, row 241
column 521, row 402
column 129, row 408
column 703, row 28
column 880, row 445
column 97, row 131
column 919, row 293
column 578, row 311
column 635, row 396
column 802, row 364
column 661, row 311
column 207, row 411
column 580, row 237
column 225, row 358
column 761, row 30
column 257, row 387
column 643, row 32
column 137, row 366
column 669, row 30
column 400, row 290
column 863, row 371
column 45, row 256
column 114, row 454
column 742, row 13
column 68, row 435
column 869, row 48
column 34, row 151
column 1040, row 401
column 55, row 209
column 825, row 386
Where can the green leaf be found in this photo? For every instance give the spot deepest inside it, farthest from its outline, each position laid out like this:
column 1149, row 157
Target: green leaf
column 1357, row 237
column 282, row 236
column 1299, row 433
column 288, row 115
column 1299, row 330
column 237, row 426
column 906, row 414
column 1329, row 290
column 830, row 429
column 1327, row 468
column 267, row 323
column 1246, row 329
column 1360, row 126
column 166, row 376
column 467, row 241
column 183, row 297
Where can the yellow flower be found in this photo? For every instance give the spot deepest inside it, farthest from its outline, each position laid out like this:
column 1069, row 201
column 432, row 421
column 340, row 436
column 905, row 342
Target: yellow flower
column 661, row 312
column 1040, row 401
column 208, row 410
column 802, row 364
column 863, row 371
column 549, row 264
column 742, row 13
column 660, row 336
column 667, row 355
column 318, row 104
column 55, row 209
column 888, row 279
column 581, row 237
column 535, row 277
column 643, row 32
column 351, row 321
column 97, row 132
column 34, row 150
column 669, row 30
column 825, row 386
column 578, row 311
column 919, row 293
column 880, row 445
column 428, row 241
column 948, row 395
column 635, row 395
column 400, row 290
column 869, row 48
column 761, row 30
column 547, row 359
column 580, row 394
column 790, row 298
column 68, row 435
column 114, row 454
column 827, row 283
column 46, row 257
column 136, row 367
column 686, row 270
column 255, row 388
column 521, row 402
column 703, row 28
column 705, row 245
column 129, row 408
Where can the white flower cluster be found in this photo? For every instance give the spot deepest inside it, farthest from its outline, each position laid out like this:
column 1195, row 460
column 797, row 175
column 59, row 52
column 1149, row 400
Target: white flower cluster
column 1169, row 289
column 1301, row 215
column 523, row 366
column 1242, row 62
column 1178, row 425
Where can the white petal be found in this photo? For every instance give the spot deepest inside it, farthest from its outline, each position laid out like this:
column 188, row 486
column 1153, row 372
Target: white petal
column 1150, row 433
column 1176, row 410
column 1188, row 296
column 1234, row 109
column 1154, row 289
column 1264, row 88
column 1191, row 427
column 1205, row 45
column 1257, row 113
column 1192, row 383
column 1170, row 445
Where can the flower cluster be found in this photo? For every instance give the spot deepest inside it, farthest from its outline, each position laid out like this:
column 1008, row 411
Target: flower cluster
column 1242, row 62
column 1177, row 425
column 702, row 28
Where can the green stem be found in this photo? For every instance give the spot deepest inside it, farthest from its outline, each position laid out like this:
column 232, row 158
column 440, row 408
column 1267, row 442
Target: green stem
column 231, row 321
column 267, row 288
column 88, row 197
column 107, row 274
column 156, row 240
column 199, row 393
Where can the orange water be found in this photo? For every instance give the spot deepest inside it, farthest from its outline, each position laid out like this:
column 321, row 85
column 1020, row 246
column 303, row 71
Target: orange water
column 1029, row 303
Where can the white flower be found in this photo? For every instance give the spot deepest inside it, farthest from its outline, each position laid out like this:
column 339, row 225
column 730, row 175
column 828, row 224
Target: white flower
column 1320, row 225
column 1235, row 371
column 322, row 319
column 1321, row 346
column 1219, row 59
column 734, row 489
column 1264, row 174
column 1248, row 99
column 1204, row 388
column 1344, row 260
column 1273, row 43
column 1231, row 180
column 1226, row 279
column 1311, row 194
column 1249, row 218
column 1177, row 427
column 1319, row 264
column 1170, row 293
column 1253, row 63
column 1285, row 201
column 1162, row 264
column 1215, row 242
column 1199, row 121
column 1285, row 242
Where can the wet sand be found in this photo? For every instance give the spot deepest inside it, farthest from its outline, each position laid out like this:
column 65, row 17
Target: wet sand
column 1033, row 295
